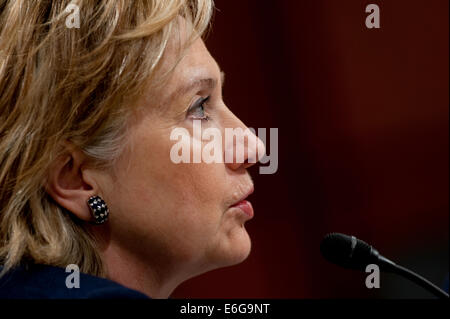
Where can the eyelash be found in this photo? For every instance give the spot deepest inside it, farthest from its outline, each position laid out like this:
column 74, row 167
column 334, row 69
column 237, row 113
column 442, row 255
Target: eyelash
column 200, row 103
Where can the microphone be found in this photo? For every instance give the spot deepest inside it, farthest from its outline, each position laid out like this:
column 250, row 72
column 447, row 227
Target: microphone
column 350, row 252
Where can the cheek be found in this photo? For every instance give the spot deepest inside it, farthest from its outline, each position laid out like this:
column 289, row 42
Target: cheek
column 177, row 207
column 175, row 211
column 192, row 198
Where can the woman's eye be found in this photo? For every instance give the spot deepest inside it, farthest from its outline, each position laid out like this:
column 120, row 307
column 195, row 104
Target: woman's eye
column 197, row 110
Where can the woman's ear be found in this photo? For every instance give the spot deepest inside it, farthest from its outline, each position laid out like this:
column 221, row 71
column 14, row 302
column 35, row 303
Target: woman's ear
column 69, row 185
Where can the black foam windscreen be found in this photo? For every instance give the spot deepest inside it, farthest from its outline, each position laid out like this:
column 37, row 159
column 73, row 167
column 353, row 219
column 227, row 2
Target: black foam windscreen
column 347, row 251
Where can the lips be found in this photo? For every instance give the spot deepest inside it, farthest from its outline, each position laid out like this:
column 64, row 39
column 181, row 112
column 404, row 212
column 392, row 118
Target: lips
column 244, row 205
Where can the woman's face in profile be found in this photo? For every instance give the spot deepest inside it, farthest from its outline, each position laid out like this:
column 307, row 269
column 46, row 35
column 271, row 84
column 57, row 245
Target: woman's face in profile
column 179, row 216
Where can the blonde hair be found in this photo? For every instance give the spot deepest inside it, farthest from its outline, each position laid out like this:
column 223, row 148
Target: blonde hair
column 71, row 84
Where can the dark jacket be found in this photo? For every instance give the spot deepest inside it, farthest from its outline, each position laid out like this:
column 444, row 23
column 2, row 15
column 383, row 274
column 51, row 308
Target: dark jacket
column 48, row 282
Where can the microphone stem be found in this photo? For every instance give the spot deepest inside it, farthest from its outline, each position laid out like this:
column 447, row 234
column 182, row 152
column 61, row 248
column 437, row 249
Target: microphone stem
column 419, row 280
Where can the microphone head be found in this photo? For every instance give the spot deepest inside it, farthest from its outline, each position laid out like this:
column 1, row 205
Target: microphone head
column 347, row 251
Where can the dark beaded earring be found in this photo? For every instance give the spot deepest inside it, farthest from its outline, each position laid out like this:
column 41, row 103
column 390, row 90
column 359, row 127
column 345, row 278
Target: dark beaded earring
column 99, row 209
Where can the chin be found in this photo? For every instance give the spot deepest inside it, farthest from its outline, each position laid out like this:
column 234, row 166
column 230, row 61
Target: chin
column 238, row 249
column 231, row 251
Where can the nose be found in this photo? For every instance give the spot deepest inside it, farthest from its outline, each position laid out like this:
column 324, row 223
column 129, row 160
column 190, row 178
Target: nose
column 243, row 148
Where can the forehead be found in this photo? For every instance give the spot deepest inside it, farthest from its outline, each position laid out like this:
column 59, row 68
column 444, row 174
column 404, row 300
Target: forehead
column 191, row 54
column 179, row 66
column 195, row 62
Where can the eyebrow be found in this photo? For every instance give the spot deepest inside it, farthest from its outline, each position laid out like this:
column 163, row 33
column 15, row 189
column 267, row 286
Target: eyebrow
column 195, row 83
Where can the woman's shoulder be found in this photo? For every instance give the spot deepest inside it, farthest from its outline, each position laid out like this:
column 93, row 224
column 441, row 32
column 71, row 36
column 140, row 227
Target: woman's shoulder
column 49, row 282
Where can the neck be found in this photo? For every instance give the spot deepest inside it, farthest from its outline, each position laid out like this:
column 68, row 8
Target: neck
column 133, row 272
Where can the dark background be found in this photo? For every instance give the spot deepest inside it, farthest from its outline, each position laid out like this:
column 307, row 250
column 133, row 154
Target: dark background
column 363, row 141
